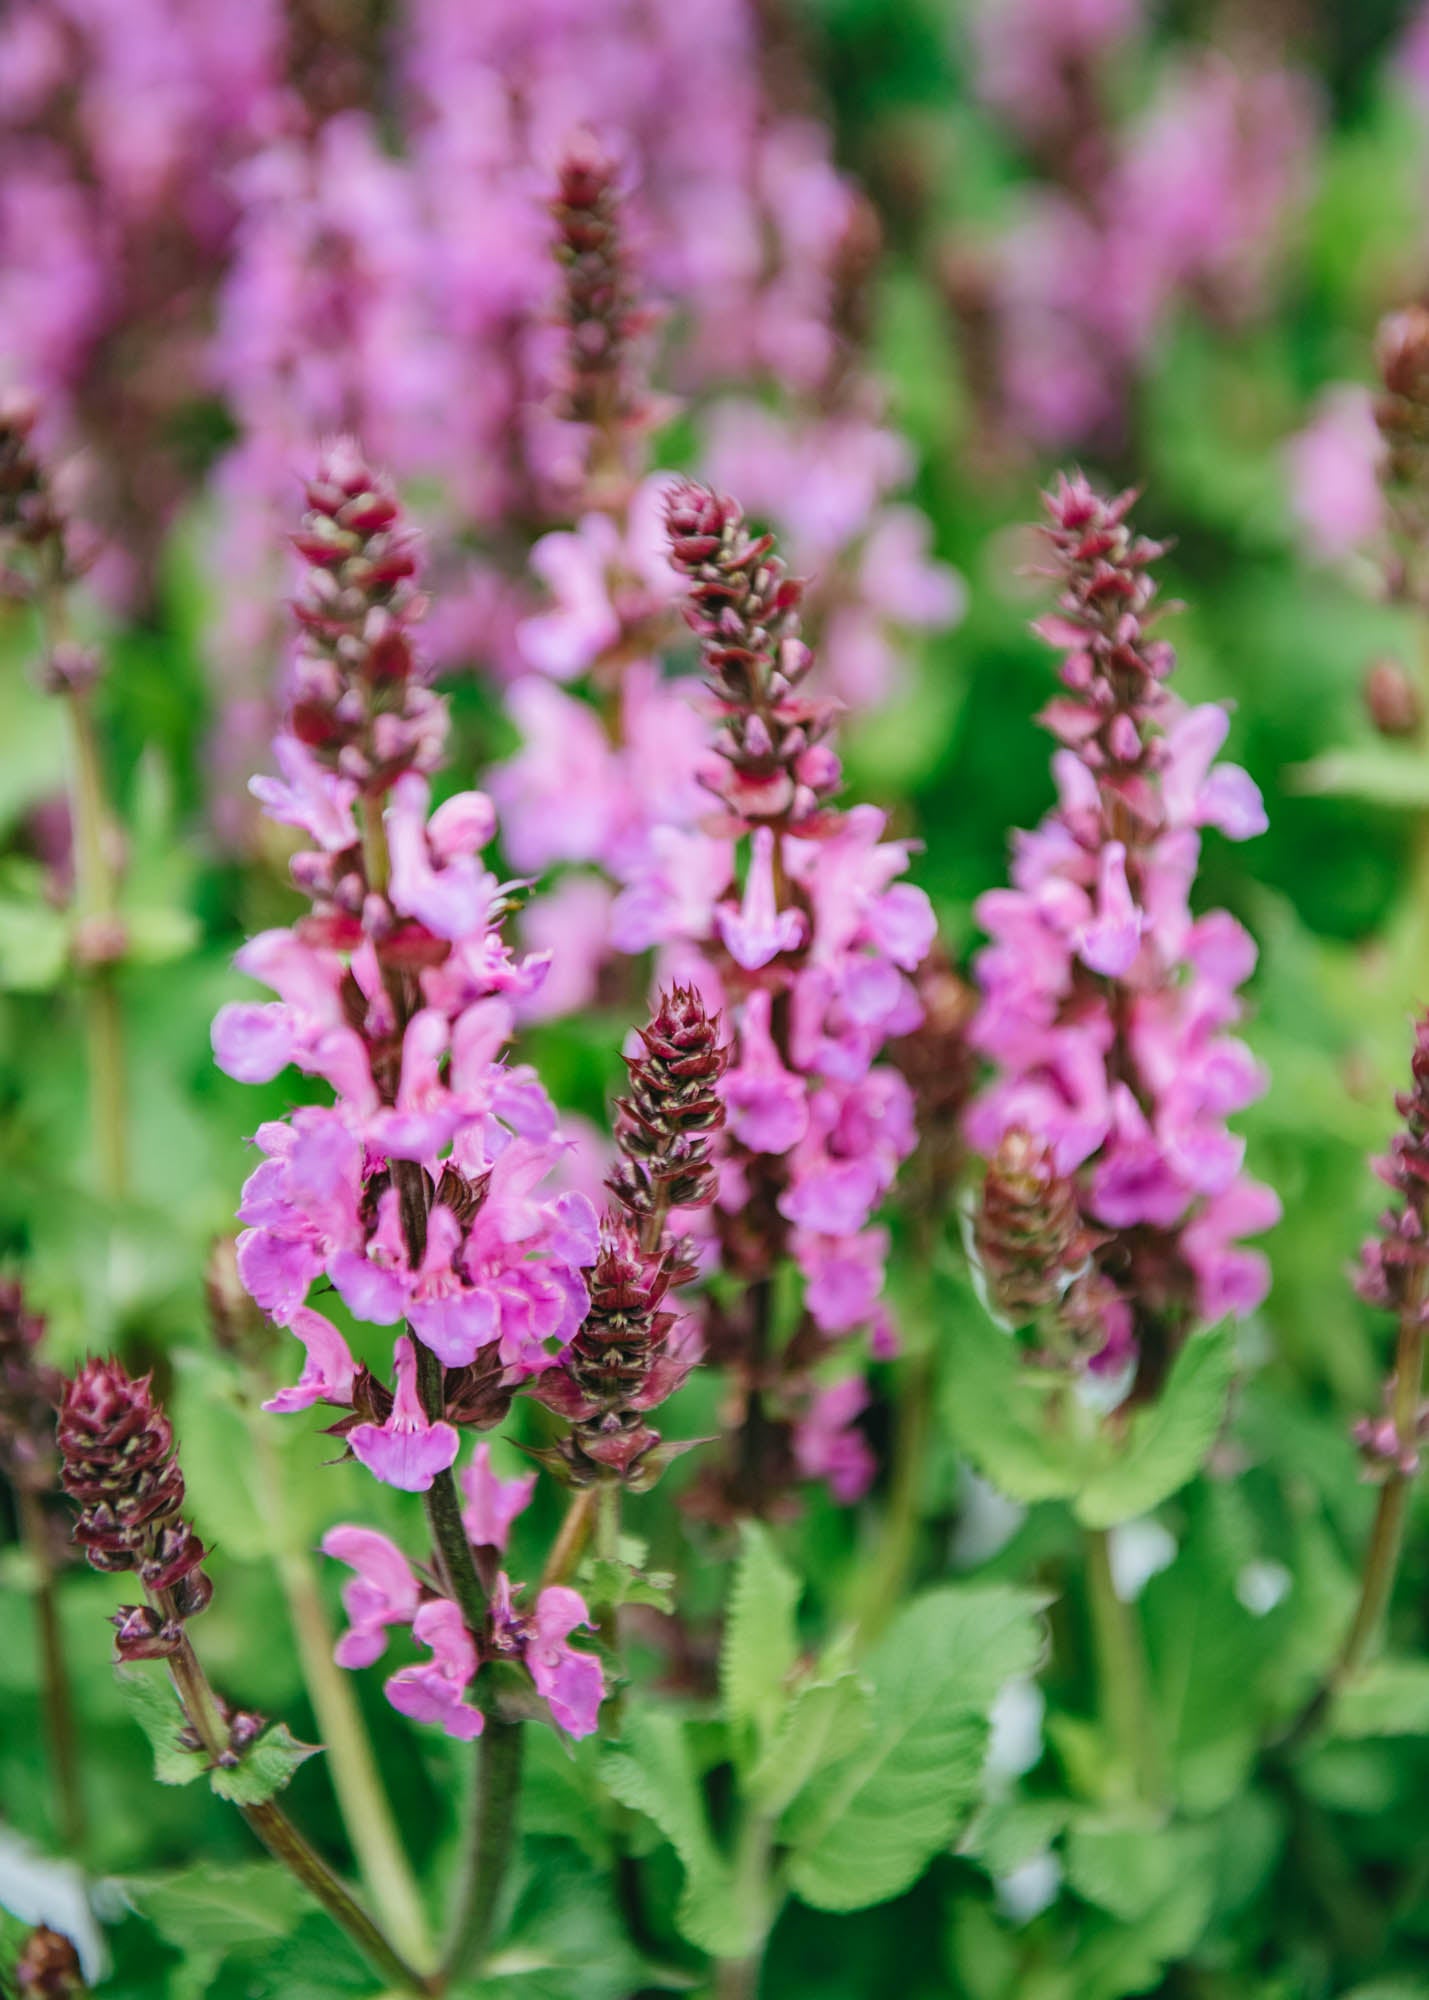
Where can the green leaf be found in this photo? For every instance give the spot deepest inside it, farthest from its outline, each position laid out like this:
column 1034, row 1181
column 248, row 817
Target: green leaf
column 153, row 1704
column 823, row 1723
column 760, row 1640
column 154, row 936
column 866, row 1827
column 1014, row 1830
column 1130, row 1865
column 1163, row 1445
column 263, row 1769
column 654, row 1773
column 34, row 937
column 219, row 1909
column 610, row 1583
column 1390, row 1698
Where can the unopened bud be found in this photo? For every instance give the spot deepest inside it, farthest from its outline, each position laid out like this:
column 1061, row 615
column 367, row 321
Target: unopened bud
column 1393, row 702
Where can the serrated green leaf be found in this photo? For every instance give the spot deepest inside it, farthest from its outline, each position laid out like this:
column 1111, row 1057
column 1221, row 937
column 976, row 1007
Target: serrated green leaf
column 1164, row 1445
column 263, row 1769
column 867, row 1826
column 822, row 1724
column 760, row 1640
column 153, row 1704
column 610, row 1583
column 654, row 1773
column 1390, row 1698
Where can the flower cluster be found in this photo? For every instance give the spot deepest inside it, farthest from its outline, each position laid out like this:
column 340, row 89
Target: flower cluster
column 1105, row 1004
column 385, row 1591
column 417, row 1191
column 1394, row 1274
column 1183, row 202
column 118, row 1465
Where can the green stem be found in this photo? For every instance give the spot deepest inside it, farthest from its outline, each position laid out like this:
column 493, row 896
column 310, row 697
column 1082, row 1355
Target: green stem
column 569, row 1543
column 493, row 1842
column 96, row 904
column 1386, row 1537
column 54, row 1677
column 1121, row 1674
column 283, row 1840
column 362, row 1800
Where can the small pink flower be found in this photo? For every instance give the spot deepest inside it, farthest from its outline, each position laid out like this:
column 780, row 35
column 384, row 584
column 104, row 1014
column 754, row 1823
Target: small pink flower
column 436, row 1692
column 571, row 1683
column 1108, row 944
column 408, row 1450
column 384, row 1592
column 327, row 1371
column 828, row 1444
column 492, row 1504
column 767, row 1105
column 757, row 930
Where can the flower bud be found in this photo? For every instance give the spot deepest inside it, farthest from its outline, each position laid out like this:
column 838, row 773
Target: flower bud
column 1392, row 700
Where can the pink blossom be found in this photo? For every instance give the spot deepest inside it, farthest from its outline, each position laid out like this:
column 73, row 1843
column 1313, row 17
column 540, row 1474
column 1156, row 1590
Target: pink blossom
column 436, row 1692
column 384, row 1592
column 328, row 1370
column 492, row 1504
column 829, row 1446
column 1334, row 466
column 757, row 929
column 407, row 1450
column 766, row 1103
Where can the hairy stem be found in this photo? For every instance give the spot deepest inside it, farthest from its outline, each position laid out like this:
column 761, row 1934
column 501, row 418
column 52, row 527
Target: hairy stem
column 54, row 1677
column 1121, row 1674
column 283, row 1840
column 361, row 1797
column 493, row 1842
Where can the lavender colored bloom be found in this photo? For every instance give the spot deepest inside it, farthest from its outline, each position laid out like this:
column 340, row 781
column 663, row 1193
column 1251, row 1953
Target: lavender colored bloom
column 436, row 1691
column 383, row 1592
column 492, row 1504
column 406, row 1450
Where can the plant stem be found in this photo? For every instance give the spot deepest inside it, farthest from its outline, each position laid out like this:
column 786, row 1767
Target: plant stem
column 361, row 1798
column 96, row 903
column 569, row 1543
column 283, row 1840
column 894, row 1551
column 493, row 1842
column 1386, row 1535
column 1121, row 1673
column 54, row 1676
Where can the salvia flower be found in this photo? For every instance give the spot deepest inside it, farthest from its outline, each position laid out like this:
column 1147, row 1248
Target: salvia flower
column 1394, row 1265
column 385, row 1592
column 29, row 1393
column 1105, row 1004
column 417, row 1191
column 118, row 1466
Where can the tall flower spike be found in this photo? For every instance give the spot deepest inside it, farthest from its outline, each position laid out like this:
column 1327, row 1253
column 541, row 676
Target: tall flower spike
column 665, row 1127
column 29, row 1391
column 118, row 1465
column 1104, row 1002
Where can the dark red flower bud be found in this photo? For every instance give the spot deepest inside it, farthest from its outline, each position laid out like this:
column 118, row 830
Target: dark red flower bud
column 48, row 1967
column 664, row 1127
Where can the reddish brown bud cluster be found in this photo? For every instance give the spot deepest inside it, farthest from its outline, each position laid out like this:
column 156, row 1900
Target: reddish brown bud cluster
column 48, row 1967
column 1028, row 1229
column 603, row 379
column 1394, row 1266
column 117, row 1449
column 664, row 1127
column 358, row 702
column 1105, row 611
column 744, row 608
column 29, row 1392
column 1392, row 701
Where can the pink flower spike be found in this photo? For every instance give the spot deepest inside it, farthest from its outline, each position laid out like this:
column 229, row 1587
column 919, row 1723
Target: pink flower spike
column 492, row 1503
column 1110, row 942
column 758, row 929
column 408, row 1451
column 384, row 1592
column 435, row 1692
column 327, row 1371
column 571, row 1683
